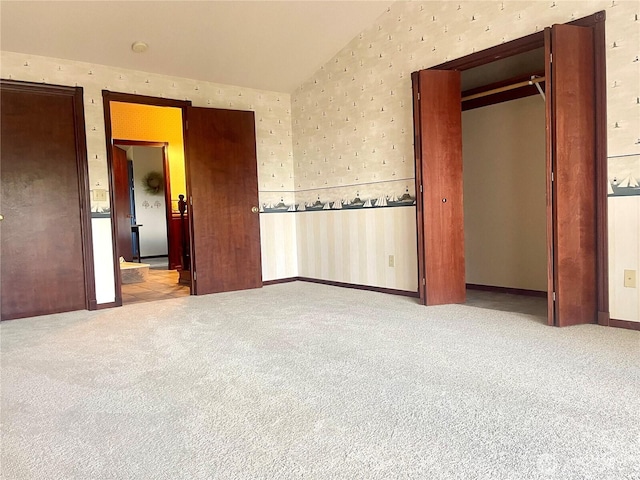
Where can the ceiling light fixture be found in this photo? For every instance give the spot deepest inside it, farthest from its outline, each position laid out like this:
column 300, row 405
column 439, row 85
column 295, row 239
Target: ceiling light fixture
column 139, row 47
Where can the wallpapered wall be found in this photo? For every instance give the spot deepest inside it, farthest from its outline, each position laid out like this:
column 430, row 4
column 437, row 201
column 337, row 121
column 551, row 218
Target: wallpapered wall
column 273, row 129
column 352, row 120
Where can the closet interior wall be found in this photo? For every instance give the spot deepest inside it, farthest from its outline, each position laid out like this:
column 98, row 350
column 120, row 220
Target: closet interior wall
column 504, row 182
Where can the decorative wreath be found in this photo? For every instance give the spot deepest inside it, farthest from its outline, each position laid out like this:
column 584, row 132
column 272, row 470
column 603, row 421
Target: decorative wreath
column 153, row 183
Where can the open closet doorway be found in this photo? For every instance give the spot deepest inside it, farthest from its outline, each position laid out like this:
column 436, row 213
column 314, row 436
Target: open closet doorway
column 503, row 150
column 575, row 148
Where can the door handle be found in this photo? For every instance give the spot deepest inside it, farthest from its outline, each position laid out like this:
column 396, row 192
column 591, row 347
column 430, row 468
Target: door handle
column 254, row 209
column 1, row 217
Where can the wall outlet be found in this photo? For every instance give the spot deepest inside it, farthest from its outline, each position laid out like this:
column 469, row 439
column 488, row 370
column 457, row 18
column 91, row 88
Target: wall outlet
column 630, row 278
column 392, row 261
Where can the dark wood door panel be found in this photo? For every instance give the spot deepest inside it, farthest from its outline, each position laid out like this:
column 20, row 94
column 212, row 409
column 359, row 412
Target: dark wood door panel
column 42, row 265
column 122, row 200
column 574, row 190
column 441, row 176
column 222, row 177
column 176, row 238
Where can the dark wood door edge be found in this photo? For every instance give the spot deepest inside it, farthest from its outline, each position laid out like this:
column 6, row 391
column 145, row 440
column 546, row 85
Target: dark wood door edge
column 112, row 198
column 417, row 142
column 85, row 198
column 509, row 290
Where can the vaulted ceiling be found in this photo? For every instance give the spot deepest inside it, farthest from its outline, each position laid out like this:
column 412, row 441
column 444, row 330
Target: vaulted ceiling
column 269, row 45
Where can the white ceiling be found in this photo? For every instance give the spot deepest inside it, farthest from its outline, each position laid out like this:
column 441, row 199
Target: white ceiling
column 269, row 45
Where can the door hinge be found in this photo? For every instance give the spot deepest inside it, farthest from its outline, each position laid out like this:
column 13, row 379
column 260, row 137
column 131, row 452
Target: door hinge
column 424, row 281
column 550, row 57
column 418, row 95
column 552, row 177
column 186, row 124
column 554, row 296
column 191, row 201
column 195, row 276
column 420, row 188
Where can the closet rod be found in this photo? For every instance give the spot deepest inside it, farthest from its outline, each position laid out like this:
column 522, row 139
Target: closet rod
column 506, row 88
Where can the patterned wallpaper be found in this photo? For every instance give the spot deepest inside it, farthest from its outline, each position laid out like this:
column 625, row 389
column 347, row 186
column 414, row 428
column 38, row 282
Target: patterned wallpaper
column 352, row 120
column 273, row 110
column 374, row 246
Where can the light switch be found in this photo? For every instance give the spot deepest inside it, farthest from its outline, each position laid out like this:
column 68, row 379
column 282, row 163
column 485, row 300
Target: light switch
column 99, row 195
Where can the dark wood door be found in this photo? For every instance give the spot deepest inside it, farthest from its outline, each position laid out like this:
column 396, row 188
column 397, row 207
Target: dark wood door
column 122, row 200
column 440, row 211
column 44, row 199
column 221, row 162
column 572, row 152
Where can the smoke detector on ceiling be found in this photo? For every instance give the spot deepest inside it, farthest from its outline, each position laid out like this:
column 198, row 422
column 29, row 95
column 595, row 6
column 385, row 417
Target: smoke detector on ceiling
column 139, row 47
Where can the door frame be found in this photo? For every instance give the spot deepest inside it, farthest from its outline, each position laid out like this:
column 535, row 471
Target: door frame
column 521, row 45
column 82, row 166
column 165, row 172
column 107, row 98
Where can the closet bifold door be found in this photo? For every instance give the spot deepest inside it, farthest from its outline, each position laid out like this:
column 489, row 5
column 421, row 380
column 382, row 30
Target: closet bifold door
column 222, row 178
column 439, row 208
column 571, row 147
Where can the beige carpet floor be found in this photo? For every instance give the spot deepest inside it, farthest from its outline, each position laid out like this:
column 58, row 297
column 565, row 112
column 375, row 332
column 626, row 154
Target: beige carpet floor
column 310, row 381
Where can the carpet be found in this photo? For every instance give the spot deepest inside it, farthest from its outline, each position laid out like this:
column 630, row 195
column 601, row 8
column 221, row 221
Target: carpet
column 310, row 381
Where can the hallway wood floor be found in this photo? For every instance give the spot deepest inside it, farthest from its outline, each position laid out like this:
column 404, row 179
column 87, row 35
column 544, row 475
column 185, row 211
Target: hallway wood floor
column 160, row 285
